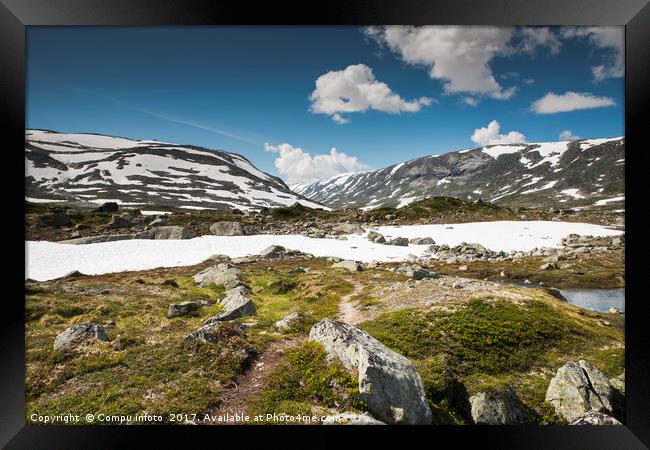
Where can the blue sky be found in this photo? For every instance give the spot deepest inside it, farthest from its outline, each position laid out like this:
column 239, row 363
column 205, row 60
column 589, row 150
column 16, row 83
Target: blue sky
column 384, row 94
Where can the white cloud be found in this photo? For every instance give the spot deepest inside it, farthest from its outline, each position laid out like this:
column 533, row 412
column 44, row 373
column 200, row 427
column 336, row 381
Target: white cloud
column 534, row 37
column 490, row 135
column 471, row 101
column 607, row 38
column 299, row 166
column 567, row 135
column 355, row 89
column 457, row 55
column 569, row 101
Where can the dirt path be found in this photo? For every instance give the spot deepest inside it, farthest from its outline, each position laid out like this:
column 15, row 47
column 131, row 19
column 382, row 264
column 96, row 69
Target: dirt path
column 234, row 398
column 348, row 311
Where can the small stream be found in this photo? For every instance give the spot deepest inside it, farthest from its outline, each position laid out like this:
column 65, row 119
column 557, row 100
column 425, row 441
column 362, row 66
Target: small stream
column 596, row 299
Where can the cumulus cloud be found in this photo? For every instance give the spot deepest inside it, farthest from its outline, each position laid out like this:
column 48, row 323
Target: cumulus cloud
column 457, row 55
column 299, row 166
column 491, row 135
column 569, row 101
column 567, row 135
column 606, row 38
column 355, row 89
column 533, row 37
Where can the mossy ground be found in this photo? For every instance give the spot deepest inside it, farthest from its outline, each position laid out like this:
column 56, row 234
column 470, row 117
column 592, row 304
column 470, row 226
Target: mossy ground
column 489, row 342
column 480, row 344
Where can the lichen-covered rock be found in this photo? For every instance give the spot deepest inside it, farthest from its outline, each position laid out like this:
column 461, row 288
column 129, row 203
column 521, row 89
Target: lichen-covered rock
column 288, row 321
column 76, row 334
column 416, row 272
column 577, row 388
column 351, row 419
column 273, row 252
column 422, row 241
column 223, row 274
column 235, row 304
column 400, row 241
column 498, row 408
column 376, row 237
column 594, row 417
column 214, row 331
column 228, row 229
column 618, row 383
column 352, row 266
column 388, row 382
column 348, row 228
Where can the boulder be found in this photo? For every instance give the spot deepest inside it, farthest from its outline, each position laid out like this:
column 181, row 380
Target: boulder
column 107, row 207
column 416, row 272
column 222, row 274
column 618, row 383
column 348, row 264
column 375, row 237
column 549, row 266
column 235, row 304
column 288, row 321
column 594, row 417
column 184, row 308
column 388, row 382
column 577, row 388
column 273, row 252
column 76, row 334
column 228, row 229
column 401, row 241
column 348, row 418
column 422, row 241
column 348, row 228
column 171, row 232
column 498, row 408
column 121, row 221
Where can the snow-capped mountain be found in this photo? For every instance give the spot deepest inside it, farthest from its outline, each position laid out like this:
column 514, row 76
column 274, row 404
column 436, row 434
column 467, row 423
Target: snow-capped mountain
column 559, row 174
column 97, row 168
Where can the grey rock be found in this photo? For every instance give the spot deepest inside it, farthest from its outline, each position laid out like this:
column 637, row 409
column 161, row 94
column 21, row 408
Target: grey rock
column 577, row 388
column 235, row 304
column 499, row 408
column 288, row 321
column 594, row 417
column 549, row 266
column 228, row 229
column 618, row 383
column 172, row 232
column 121, row 221
column 209, row 332
column 222, row 274
column 388, row 382
column 400, row 241
column 348, row 228
column 416, row 272
column 352, row 266
column 422, row 241
column 376, row 237
column 73, row 213
column 348, row 418
column 76, row 334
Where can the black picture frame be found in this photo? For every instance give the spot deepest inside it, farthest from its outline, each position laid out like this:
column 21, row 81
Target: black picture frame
column 15, row 15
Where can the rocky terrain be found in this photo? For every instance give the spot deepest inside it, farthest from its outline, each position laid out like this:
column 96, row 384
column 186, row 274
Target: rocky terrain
column 569, row 174
column 289, row 338
column 92, row 168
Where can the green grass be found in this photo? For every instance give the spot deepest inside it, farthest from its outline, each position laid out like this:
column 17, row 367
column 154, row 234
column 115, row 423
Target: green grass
column 490, row 343
column 304, row 378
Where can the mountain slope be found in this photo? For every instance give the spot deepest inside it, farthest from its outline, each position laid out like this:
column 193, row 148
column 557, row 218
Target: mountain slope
column 97, row 168
column 563, row 174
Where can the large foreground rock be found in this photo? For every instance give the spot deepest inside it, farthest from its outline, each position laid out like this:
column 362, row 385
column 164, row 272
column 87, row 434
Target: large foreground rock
column 594, row 417
column 235, row 304
column 388, row 382
column 76, row 334
column 577, row 388
column 351, row 419
column 228, row 229
column 223, row 274
column 499, row 408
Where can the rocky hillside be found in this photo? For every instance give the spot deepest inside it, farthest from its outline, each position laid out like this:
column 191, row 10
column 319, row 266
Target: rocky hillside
column 96, row 168
column 581, row 173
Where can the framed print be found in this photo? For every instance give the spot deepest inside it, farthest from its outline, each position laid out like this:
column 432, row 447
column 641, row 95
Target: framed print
column 385, row 214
